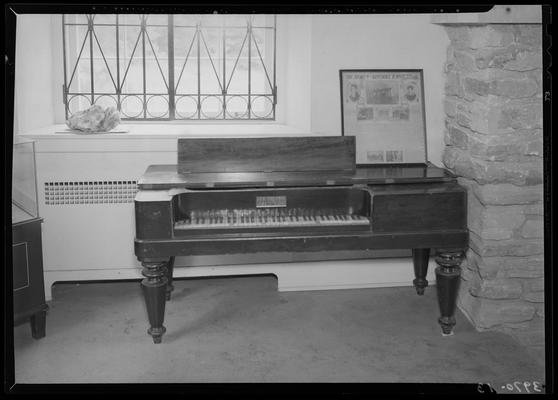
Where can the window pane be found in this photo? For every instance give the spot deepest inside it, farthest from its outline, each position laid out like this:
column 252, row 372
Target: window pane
column 159, row 40
column 262, row 107
column 234, row 40
column 76, row 38
column 188, row 82
column 262, row 60
column 157, row 106
column 133, row 82
column 132, row 106
column 76, row 18
column 186, row 107
column 102, row 78
column 258, row 80
column 83, row 74
column 104, row 19
column 106, row 101
column 237, row 107
column 134, row 19
column 157, row 19
column 237, row 20
column 238, row 78
column 210, row 83
column 219, row 65
column 185, row 20
column 210, row 20
column 77, row 103
column 211, row 107
column 155, row 83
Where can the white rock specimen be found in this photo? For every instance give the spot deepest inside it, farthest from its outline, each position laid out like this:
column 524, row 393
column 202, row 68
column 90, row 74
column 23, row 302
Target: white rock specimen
column 94, row 119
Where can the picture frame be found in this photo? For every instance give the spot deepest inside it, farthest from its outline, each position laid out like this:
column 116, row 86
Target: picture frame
column 384, row 109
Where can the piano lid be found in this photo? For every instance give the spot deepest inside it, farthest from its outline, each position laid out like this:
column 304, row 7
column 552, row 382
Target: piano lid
column 278, row 162
column 162, row 177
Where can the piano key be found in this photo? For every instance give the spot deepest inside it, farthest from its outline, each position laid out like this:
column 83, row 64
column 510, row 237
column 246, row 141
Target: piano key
column 249, row 218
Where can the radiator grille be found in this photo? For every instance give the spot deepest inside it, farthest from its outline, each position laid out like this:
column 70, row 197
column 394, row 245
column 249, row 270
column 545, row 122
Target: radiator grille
column 90, row 192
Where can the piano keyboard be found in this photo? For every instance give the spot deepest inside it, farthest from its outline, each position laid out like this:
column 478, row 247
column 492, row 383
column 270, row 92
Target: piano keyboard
column 268, row 218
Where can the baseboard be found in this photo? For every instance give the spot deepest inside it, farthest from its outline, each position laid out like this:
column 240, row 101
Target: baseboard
column 292, row 276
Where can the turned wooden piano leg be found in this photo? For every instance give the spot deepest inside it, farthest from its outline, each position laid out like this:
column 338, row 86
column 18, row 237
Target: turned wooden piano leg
column 170, row 268
column 420, row 263
column 448, row 275
column 154, row 291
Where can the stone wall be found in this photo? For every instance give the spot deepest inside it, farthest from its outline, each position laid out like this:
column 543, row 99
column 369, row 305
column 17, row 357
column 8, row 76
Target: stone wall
column 494, row 144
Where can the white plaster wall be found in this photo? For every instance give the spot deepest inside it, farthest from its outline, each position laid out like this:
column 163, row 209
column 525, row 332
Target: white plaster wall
column 33, row 73
column 377, row 41
column 295, row 90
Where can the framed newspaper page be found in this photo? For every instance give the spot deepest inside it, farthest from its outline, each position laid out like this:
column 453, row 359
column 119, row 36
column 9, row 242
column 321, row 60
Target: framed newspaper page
column 384, row 110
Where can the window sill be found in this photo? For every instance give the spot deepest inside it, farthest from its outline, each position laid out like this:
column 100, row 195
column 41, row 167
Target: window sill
column 147, row 136
column 149, row 130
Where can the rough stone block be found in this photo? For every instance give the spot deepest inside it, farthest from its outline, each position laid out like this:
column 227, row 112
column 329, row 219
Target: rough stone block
column 534, row 297
column 495, row 57
column 513, row 88
column 534, row 285
column 493, row 222
column 525, row 172
column 504, row 147
column 506, row 267
column 534, row 147
column 540, row 310
column 464, row 61
column 450, row 104
column 453, row 84
column 488, row 313
column 529, row 35
column 450, row 59
column 507, row 247
column 524, row 61
column 499, row 288
column 505, row 193
column 499, row 115
column 481, row 36
column 520, row 115
column 457, row 136
column 533, row 228
column 459, row 35
column 522, row 267
column 468, row 273
column 535, row 209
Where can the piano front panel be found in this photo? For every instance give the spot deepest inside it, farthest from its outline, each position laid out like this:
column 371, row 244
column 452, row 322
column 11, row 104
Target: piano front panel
column 271, row 211
column 422, row 211
column 154, row 219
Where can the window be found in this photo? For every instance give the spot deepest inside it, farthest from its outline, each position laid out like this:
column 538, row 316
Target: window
column 171, row 67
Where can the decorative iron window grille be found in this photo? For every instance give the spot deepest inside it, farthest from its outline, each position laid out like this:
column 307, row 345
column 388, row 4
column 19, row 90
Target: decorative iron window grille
column 171, row 67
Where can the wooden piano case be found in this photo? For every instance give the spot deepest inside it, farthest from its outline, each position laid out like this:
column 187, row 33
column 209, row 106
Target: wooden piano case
column 299, row 194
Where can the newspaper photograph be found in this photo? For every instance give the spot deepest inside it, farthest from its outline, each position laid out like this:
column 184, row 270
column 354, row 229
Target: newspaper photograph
column 384, row 110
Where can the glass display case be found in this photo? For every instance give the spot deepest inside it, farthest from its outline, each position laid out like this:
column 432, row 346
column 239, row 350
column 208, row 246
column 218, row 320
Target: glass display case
column 27, row 251
column 24, row 183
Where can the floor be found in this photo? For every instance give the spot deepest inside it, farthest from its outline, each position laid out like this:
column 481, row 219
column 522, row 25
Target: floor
column 241, row 329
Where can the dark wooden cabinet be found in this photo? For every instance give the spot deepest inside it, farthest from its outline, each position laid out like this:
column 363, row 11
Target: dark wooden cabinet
column 28, row 281
column 295, row 195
